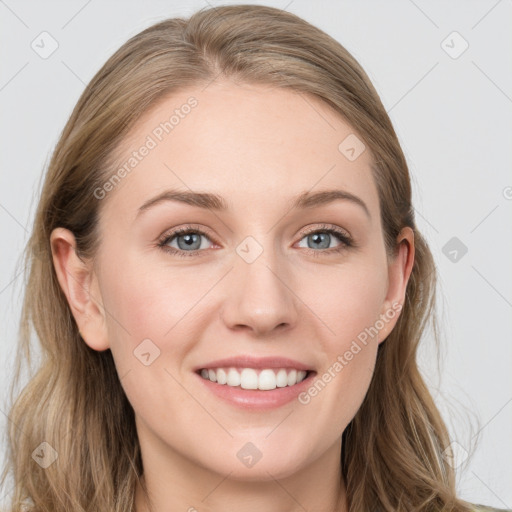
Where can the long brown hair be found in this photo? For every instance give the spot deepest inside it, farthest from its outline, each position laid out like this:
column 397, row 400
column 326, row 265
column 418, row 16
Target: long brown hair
column 392, row 450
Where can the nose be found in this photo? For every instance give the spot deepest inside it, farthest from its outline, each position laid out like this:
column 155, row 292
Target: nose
column 261, row 297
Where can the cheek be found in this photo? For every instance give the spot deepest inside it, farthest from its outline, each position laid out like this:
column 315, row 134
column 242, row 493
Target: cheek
column 144, row 288
column 350, row 311
column 143, row 303
column 146, row 301
column 347, row 299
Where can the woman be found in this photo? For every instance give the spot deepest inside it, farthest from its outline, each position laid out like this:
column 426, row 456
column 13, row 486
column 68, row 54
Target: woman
column 229, row 287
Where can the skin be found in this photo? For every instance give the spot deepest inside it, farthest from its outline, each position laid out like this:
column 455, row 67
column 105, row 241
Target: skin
column 257, row 147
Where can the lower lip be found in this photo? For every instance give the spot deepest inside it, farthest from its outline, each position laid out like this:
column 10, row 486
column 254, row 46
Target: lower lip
column 257, row 399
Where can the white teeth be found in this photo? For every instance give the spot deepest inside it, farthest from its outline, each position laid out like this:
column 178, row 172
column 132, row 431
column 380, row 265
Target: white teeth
column 292, row 377
column 267, row 380
column 222, row 378
column 249, row 378
column 281, row 379
column 233, row 378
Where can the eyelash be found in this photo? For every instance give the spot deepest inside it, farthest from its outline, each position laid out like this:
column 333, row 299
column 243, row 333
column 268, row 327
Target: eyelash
column 346, row 241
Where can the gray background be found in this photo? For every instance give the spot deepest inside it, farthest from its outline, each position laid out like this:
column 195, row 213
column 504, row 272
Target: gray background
column 453, row 117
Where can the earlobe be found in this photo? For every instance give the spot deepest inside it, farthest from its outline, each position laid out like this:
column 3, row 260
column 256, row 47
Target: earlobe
column 78, row 283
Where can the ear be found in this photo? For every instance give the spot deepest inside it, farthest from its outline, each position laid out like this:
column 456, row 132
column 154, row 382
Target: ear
column 399, row 271
column 80, row 286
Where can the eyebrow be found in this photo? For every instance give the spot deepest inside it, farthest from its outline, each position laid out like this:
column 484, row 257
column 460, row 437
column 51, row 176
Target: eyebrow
column 215, row 202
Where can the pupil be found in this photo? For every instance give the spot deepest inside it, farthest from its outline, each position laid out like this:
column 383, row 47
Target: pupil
column 190, row 240
column 319, row 237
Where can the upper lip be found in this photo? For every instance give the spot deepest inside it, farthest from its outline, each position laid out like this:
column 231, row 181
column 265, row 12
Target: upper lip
column 255, row 362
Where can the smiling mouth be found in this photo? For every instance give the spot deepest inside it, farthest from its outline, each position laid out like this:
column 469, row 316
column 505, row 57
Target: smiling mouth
column 265, row 379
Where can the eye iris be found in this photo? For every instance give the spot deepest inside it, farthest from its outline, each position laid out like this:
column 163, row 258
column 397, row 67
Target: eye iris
column 190, row 240
column 321, row 237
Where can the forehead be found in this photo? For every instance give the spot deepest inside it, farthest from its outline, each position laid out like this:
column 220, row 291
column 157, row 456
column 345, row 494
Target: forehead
column 248, row 143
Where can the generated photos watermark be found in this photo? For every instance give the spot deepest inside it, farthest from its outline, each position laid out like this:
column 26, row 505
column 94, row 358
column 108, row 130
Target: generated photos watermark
column 156, row 136
column 344, row 359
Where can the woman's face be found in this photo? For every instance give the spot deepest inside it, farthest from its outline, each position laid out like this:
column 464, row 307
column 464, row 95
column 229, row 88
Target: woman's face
column 255, row 291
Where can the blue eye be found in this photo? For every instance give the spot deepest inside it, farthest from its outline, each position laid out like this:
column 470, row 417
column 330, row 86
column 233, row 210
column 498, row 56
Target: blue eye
column 189, row 241
column 321, row 238
column 189, row 244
